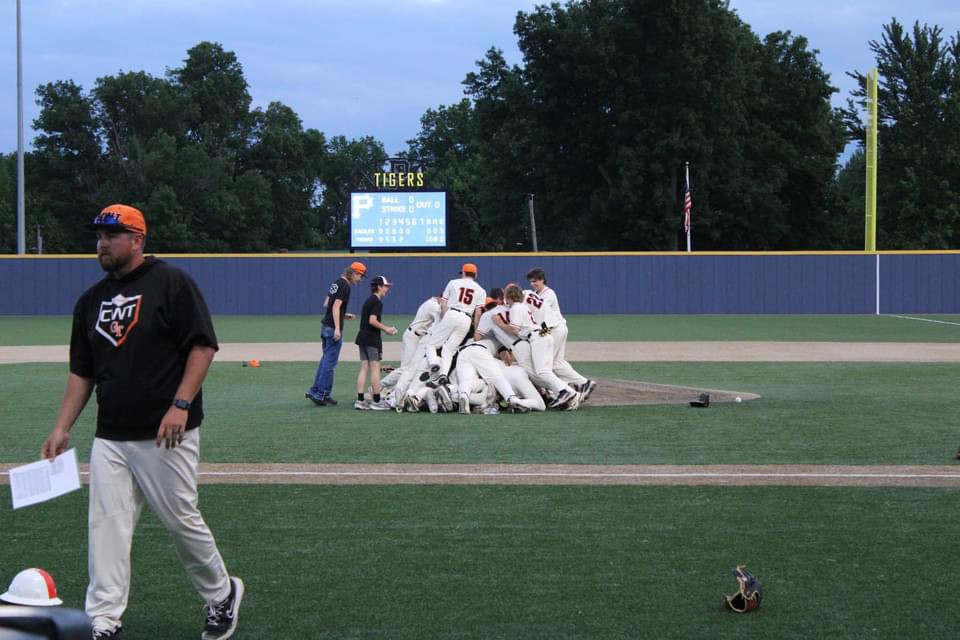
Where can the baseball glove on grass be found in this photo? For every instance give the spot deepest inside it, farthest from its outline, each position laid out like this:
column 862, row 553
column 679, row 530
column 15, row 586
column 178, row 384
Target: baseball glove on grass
column 750, row 594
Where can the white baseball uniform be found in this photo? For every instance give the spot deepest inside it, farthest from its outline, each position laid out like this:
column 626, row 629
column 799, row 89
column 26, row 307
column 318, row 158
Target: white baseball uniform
column 463, row 296
column 427, row 315
column 546, row 309
column 535, row 352
column 476, row 359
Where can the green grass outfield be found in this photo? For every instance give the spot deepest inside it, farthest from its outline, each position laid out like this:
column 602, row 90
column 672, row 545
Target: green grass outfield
column 547, row 562
column 536, row 563
column 35, row 330
column 813, row 413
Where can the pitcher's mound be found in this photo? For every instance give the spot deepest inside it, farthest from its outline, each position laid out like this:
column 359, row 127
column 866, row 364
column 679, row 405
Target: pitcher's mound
column 630, row 392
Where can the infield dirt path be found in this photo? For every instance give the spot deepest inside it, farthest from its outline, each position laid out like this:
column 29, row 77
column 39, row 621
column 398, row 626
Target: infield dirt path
column 555, row 474
column 590, row 352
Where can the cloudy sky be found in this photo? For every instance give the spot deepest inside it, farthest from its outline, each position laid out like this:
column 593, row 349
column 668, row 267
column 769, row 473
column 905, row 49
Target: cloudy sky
column 359, row 67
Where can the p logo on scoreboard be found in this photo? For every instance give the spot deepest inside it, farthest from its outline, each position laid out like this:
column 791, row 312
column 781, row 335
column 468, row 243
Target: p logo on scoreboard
column 117, row 318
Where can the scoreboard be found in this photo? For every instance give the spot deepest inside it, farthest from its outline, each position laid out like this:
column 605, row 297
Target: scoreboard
column 398, row 219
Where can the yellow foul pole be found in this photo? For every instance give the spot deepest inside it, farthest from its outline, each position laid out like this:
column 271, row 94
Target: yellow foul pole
column 870, row 239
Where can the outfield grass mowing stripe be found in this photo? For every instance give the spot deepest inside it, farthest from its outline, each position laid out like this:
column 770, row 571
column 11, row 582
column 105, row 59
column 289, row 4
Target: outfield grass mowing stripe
column 705, row 475
column 54, row 330
column 955, row 324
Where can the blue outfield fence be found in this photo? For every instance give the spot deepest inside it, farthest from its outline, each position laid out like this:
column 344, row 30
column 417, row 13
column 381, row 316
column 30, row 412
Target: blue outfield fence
column 607, row 283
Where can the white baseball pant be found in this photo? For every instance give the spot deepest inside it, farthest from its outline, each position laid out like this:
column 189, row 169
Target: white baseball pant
column 560, row 365
column 124, row 475
column 536, row 357
column 520, row 381
column 447, row 336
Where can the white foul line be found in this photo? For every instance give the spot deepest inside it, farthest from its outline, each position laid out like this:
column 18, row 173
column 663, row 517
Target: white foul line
column 526, row 474
column 954, row 324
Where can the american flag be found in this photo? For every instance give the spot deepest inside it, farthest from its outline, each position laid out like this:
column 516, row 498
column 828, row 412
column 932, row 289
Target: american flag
column 687, row 204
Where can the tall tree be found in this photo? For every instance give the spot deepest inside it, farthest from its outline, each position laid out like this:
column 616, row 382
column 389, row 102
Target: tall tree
column 348, row 166
column 918, row 183
column 614, row 97
column 212, row 174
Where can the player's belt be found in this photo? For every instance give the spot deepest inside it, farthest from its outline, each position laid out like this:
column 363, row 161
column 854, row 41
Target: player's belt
column 466, row 313
column 518, row 341
column 472, row 344
column 416, row 333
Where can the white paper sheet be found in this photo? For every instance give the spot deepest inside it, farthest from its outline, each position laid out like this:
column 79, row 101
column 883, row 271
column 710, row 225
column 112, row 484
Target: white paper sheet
column 44, row 480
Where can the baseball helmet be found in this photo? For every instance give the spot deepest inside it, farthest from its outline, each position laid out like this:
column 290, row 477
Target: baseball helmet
column 750, row 594
column 33, row 588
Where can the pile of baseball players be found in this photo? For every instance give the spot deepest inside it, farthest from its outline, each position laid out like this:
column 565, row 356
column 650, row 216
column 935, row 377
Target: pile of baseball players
column 470, row 352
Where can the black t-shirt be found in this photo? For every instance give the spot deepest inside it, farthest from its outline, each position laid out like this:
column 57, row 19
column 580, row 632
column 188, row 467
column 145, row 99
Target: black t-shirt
column 339, row 290
column 132, row 336
column 368, row 335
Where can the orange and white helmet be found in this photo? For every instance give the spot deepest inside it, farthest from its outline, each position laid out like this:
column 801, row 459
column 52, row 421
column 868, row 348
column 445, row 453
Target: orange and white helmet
column 33, row 588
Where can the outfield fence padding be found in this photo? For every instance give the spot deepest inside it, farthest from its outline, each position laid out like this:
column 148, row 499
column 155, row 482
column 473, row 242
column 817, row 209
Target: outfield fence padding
column 602, row 283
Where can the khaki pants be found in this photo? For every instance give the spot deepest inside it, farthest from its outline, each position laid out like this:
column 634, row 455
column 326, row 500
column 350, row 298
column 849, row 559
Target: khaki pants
column 124, row 475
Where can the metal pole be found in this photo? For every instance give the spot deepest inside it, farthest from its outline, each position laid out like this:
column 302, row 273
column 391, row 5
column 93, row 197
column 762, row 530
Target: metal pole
column 21, row 218
column 533, row 222
column 687, row 197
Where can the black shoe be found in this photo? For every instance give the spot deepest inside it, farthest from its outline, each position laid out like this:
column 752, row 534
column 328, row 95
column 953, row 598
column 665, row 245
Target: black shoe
column 424, row 376
column 562, row 398
column 330, row 402
column 107, row 635
column 442, row 380
column 222, row 617
column 314, row 399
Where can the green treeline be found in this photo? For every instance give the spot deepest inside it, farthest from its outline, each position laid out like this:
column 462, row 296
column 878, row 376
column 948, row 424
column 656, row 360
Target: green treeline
column 611, row 100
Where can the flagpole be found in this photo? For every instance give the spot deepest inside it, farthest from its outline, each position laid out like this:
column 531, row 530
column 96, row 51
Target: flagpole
column 686, row 207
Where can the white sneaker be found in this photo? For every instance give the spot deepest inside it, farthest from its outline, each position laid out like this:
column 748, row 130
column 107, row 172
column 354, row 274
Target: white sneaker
column 361, row 404
column 464, row 404
column 514, row 403
column 443, row 397
column 412, row 404
column 431, row 399
column 379, row 406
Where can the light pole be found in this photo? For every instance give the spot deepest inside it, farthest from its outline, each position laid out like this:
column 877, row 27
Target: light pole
column 533, row 222
column 21, row 221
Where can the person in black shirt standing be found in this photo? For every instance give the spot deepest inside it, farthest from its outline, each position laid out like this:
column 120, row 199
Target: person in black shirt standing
column 371, row 345
column 144, row 338
column 331, row 333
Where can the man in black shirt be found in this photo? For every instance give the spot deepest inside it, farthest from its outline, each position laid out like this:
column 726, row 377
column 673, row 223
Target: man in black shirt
column 331, row 333
column 143, row 337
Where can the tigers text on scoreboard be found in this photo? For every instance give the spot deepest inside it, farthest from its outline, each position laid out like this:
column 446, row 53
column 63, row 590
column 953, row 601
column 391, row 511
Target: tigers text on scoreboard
column 398, row 219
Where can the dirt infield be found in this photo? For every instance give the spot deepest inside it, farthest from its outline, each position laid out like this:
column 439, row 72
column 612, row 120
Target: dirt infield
column 591, row 352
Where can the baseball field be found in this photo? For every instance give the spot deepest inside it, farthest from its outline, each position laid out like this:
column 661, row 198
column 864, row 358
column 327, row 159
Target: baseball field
column 835, row 482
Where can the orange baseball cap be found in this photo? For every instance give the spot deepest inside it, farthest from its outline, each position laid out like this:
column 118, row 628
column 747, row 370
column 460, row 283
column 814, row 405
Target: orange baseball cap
column 469, row 267
column 360, row 268
column 120, row 217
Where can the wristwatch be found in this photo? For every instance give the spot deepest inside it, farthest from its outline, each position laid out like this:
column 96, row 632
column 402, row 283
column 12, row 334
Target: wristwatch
column 180, row 403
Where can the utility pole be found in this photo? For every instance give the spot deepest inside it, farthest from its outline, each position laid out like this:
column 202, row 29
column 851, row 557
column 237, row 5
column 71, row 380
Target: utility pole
column 533, row 222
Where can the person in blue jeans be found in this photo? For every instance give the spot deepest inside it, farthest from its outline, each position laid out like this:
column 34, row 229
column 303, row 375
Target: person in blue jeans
column 331, row 333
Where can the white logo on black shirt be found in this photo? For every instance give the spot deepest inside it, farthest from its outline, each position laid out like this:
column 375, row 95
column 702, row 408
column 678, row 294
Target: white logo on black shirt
column 117, row 318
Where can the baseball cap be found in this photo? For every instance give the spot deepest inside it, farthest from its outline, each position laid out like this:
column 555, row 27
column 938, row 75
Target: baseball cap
column 469, row 267
column 120, row 217
column 360, row 268
column 381, row 281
